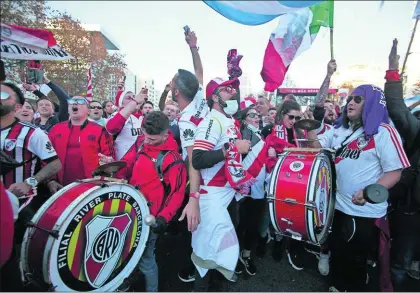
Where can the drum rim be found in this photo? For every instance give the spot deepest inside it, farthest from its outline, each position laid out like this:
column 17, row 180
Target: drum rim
column 64, row 218
column 25, row 242
column 272, row 191
column 323, row 235
column 128, row 269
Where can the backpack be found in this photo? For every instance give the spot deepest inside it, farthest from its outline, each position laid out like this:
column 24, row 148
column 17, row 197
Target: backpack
column 158, row 162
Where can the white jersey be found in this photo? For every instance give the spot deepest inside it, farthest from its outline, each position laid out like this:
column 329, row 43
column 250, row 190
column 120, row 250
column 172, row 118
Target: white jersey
column 189, row 119
column 25, row 142
column 212, row 133
column 362, row 162
column 124, row 139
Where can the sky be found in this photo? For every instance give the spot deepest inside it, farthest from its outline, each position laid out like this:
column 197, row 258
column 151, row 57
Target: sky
column 150, row 34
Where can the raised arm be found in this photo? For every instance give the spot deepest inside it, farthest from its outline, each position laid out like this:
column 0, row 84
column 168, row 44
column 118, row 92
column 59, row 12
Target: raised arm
column 323, row 91
column 163, row 97
column 62, row 96
column 191, row 40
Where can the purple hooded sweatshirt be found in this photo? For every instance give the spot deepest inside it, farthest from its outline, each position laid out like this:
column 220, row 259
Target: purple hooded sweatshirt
column 374, row 110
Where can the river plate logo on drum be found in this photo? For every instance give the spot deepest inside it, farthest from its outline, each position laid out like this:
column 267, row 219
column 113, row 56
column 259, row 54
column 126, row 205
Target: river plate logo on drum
column 99, row 241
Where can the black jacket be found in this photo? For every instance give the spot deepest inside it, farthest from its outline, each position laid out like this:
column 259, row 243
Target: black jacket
column 408, row 127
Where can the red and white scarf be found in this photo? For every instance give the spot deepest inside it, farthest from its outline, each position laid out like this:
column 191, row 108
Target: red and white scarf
column 239, row 178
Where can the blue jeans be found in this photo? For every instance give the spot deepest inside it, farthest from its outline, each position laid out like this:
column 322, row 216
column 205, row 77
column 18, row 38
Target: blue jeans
column 148, row 265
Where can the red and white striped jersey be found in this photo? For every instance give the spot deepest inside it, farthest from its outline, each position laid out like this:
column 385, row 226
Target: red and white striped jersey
column 323, row 128
column 24, row 141
column 362, row 162
column 124, row 131
column 212, row 133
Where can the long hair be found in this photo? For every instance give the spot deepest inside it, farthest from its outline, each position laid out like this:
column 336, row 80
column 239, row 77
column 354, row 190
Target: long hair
column 284, row 108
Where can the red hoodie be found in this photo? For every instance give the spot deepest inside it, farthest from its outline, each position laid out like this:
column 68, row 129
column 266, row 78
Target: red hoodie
column 142, row 172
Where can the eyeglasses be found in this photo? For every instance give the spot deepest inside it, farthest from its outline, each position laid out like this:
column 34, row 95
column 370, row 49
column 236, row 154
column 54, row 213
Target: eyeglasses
column 253, row 115
column 357, row 99
column 291, row 117
column 96, row 107
column 77, row 101
column 228, row 89
column 5, row 95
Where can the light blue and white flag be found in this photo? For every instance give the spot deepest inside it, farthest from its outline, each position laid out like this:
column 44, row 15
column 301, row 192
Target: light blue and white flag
column 257, row 12
column 417, row 10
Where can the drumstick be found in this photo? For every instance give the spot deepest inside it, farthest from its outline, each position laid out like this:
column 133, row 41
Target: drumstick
column 150, row 220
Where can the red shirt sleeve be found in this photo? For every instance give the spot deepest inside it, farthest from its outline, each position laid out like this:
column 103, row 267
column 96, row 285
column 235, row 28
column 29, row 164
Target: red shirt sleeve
column 106, row 144
column 176, row 177
column 392, row 75
column 130, row 158
column 115, row 124
column 7, row 226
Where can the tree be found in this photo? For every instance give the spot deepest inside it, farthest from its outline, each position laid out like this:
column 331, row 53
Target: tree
column 23, row 13
column 86, row 47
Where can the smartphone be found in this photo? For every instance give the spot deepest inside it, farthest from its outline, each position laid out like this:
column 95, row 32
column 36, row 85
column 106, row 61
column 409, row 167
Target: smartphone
column 186, row 29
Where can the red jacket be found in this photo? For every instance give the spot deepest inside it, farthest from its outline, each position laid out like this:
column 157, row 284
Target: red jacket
column 142, row 172
column 94, row 139
column 7, row 225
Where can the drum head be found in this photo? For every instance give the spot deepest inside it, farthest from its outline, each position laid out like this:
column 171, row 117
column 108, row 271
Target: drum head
column 102, row 236
column 320, row 194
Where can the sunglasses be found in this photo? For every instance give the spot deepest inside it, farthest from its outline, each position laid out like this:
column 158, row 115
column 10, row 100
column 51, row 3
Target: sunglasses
column 228, row 89
column 253, row 115
column 291, row 117
column 4, row 95
column 357, row 99
column 96, row 107
column 77, row 101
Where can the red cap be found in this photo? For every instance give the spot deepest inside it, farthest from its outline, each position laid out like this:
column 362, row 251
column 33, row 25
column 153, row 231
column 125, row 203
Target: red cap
column 218, row 82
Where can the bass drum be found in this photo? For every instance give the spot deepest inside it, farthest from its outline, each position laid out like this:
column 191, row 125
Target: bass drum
column 89, row 236
column 301, row 198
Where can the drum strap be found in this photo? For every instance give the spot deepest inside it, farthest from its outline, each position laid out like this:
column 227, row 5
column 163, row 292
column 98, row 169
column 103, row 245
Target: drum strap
column 158, row 162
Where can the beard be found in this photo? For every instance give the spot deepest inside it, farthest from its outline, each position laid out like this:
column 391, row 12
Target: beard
column 5, row 109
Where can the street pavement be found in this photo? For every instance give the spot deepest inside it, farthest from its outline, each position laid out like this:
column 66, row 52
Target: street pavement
column 172, row 255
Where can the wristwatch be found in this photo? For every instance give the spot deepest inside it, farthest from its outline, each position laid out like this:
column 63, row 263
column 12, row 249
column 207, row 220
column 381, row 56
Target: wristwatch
column 32, row 181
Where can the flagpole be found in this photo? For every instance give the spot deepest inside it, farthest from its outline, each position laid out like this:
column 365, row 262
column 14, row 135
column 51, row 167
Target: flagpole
column 332, row 42
column 409, row 46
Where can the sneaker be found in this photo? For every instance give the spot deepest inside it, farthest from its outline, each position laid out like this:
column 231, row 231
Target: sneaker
column 414, row 271
column 371, row 263
column 278, row 250
column 239, row 268
column 294, row 261
column 262, row 246
column 249, row 265
column 333, row 289
column 187, row 275
column 324, row 264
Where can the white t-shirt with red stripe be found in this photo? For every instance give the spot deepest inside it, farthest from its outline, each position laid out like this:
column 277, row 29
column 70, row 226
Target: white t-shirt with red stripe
column 323, row 128
column 212, row 133
column 189, row 120
column 362, row 162
column 24, row 141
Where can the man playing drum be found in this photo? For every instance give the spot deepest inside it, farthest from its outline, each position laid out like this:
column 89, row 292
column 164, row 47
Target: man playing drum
column 368, row 151
column 164, row 189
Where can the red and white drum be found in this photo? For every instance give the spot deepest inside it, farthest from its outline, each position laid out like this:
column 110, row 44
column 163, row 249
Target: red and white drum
column 300, row 197
column 89, row 236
